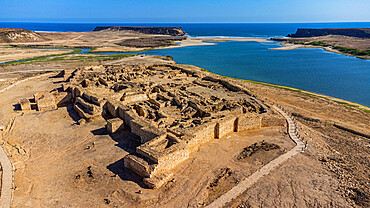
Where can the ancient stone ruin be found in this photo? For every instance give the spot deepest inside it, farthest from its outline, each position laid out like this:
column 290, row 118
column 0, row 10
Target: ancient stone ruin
column 172, row 110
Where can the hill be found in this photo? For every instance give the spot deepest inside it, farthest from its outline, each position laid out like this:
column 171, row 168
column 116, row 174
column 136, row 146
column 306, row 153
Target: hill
column 351, row 32
column 174, row 31
column 11, row 35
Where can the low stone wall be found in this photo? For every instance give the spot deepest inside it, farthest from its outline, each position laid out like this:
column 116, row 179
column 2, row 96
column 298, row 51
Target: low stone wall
column 272, row 120
column 249, row 122
column 112, row 107
column 144, row 130
column 201, row 135
column 226, row 126
column 138, row 165
column 134, row 98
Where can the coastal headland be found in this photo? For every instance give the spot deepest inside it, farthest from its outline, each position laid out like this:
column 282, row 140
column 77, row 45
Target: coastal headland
column 129, row 130
column 347, row 41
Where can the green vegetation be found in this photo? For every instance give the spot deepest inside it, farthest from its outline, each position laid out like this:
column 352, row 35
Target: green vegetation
column 70, row 57
column 318, row 43
column 296, row 42
column 352, row 51
column 203, row 69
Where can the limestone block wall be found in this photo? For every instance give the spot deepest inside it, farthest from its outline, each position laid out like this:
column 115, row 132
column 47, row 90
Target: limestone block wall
column 138, row 165
column 144, row 130
column 90, row 108
column 134, row 98
column 46, row 102
column 249, row 122
column 166, row 151
column 112, row 107
column 114, row 125
column 126, row 114
column 62, row 98
column 77, row 92
column 201, row 135
column 272, row 120
column 173, row 157
column 25, row 104
column 226, row 126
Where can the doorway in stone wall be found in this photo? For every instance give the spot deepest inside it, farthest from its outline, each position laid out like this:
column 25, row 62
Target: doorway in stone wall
column 217, row 131
column 236, row 125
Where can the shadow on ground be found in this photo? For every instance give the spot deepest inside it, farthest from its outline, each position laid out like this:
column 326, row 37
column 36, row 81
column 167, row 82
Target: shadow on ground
column 128, row 142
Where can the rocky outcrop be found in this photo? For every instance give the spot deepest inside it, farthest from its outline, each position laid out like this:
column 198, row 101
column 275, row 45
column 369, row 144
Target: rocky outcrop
column 174, row 31
column 10, row 35
column 151, row 42
column 351, row 32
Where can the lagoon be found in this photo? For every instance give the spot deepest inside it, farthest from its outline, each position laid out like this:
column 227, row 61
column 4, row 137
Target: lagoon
column 311, row 69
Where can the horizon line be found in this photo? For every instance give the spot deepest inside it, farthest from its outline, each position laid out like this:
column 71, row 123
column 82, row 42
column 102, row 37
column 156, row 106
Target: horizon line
column 57, row 22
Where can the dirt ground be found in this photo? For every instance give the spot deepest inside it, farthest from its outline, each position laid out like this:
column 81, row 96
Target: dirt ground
column 339, row 40
column 13, row 54
column 55, row 159
column 62, row 164
column 100, row 41
column 361, row 44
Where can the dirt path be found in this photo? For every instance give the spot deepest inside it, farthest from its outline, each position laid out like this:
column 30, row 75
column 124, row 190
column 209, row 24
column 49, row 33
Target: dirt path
column 29, row 71
column 23, row 80
column 248, row 182
column 7, row 178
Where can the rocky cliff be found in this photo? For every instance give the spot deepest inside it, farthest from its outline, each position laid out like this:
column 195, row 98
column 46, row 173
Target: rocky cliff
column 10, row 35
column 174, row 31
column 351, row 32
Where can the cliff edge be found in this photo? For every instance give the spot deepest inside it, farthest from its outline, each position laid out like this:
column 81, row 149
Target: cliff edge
column 174, row 31
column 351, row 32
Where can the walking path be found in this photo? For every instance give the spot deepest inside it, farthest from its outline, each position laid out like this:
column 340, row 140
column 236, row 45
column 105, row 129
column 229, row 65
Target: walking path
column 23, row 80
column 248, row 182
column 29, row 71
column 7, row 178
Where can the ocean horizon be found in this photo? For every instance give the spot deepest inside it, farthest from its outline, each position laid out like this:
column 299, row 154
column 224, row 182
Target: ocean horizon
column 310, row 69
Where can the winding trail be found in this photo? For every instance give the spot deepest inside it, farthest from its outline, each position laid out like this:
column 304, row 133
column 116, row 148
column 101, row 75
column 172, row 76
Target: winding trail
column 252, row 179
column 7, row 177
column 20, row 81
column 29, row 71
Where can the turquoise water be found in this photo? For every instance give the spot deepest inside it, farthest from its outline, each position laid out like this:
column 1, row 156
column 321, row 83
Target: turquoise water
column 310, row 69
column 313, row 70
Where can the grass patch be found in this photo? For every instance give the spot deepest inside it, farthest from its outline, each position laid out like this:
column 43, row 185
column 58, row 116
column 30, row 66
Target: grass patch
column 318, row 43
column 351, row 51
column 66, row 56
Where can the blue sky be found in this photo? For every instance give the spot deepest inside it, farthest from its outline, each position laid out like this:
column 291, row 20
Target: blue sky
column 169, row 11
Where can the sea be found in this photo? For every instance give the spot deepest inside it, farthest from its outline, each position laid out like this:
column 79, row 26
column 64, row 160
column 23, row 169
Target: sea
column 310, row 69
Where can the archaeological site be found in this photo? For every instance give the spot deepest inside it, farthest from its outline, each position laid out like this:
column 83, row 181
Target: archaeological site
column 108, row 119
column 171, row 110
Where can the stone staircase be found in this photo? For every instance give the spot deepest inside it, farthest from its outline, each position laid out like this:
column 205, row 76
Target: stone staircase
column 87, row 109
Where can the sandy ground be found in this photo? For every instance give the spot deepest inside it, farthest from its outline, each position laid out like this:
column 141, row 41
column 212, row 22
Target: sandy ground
column 13, row 54
column 184, row 43
column 334, row 40
column 61, row 164
column 52, row 161
column 263, row 40
column 287, row 46
column 339, row 40
column 192, row 42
